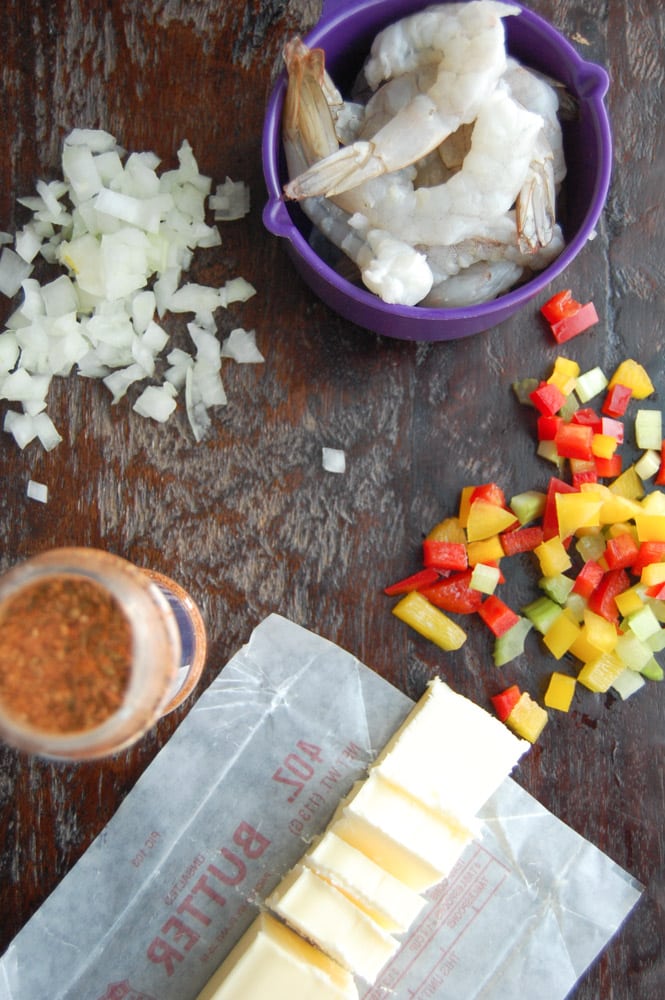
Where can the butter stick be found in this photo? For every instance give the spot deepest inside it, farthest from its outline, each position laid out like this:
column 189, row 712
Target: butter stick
column 450, row 753
column 271, row 962
column 331, row 921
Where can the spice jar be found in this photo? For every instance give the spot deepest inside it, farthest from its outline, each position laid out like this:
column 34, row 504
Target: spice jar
column 94, row 651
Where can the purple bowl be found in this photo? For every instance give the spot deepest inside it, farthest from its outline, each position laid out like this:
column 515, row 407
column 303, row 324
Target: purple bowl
column 345, row 32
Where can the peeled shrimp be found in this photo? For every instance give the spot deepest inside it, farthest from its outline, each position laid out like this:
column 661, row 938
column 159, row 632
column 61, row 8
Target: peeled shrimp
column 466, row 43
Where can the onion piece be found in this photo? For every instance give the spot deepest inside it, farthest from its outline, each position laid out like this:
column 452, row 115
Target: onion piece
column 241, row 346
column 37, row 491
column 334, row 460
column 13, row 271
column 156, row 402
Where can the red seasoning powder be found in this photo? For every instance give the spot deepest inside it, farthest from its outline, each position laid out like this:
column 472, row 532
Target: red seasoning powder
column 65, row 654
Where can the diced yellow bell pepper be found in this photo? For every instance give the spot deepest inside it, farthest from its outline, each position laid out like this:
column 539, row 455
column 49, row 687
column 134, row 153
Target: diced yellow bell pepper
column 552, row 556
column 597, row 675
column 421, row 615
column 465, row 504
column 603, row 445
column 618, row 508
column 584, row 650
column 631, row 600
column 561, row 634
column 564, row 375
column 651, row 575
column 560, row 691
column 486, row 520
column 599, row 631
column 488, row 550
column 634, row 376
column 527, row 718
column 650, row 527
column 448, row 530
column 577, row 510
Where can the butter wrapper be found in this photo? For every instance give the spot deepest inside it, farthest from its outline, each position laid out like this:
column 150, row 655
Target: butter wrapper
column 250, row 777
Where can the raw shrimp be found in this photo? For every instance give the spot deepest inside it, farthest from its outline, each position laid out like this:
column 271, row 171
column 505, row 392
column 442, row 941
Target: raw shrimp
column 466, row 42
column 536, row 202
column 495, row 242
column 478, row 283
column 485, row 187
column 389, row 267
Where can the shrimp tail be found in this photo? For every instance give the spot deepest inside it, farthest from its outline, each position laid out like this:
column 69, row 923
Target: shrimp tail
column 330, row 176
column 535, row 207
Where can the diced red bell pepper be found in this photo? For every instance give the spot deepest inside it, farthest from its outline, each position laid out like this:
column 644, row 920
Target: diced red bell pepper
column 589, row 417
column 497, row 615
column 621, row 551
column 505, row 701
column 423, row 578
column 574, row 441
column 547, row 398
column 588, row 578
column 585, row 476
column 616, row 401
column 649, row 552
column 454, row 594
column 571, row 326
column 491, row 492
column 659, row 478
column 550, row 519
column 561, row 304
column 567, row 317
column 444, row 555
column 608, row 468
column 602, row 599
column 547, row 426
column 521, row 539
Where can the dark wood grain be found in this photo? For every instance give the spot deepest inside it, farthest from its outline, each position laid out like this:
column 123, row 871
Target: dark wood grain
column 247, row 520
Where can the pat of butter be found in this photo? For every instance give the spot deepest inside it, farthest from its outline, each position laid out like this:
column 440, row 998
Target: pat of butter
column 415, row 844
column 331, row 921
column 387, row 900
column 271, row 962
column 450, row 753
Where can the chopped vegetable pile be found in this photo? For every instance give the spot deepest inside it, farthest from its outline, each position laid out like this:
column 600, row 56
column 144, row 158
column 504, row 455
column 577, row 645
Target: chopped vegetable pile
column 123, row 236
column 597, row 535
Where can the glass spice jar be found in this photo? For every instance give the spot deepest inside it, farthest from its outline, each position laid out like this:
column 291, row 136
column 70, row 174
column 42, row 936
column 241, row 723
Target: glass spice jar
column 94, row 651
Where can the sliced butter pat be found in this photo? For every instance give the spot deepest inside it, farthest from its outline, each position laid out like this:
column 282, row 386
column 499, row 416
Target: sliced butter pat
column 386, row 899
column 450, row 753
column 416, row 845
column 271, row 962
column 331, row 921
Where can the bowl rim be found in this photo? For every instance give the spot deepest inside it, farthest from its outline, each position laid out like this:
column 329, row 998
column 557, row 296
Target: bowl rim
column 278, row 221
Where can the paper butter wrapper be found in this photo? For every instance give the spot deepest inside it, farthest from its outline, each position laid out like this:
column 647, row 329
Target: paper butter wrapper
column 248, row 780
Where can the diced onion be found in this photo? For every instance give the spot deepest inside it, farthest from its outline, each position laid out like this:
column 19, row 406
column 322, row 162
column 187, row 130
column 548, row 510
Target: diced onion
column 37, row 491
column 125, row 235
column 334, row 460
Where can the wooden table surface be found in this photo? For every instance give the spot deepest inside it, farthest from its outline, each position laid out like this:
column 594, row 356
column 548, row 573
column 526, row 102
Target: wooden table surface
column 248, row 521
